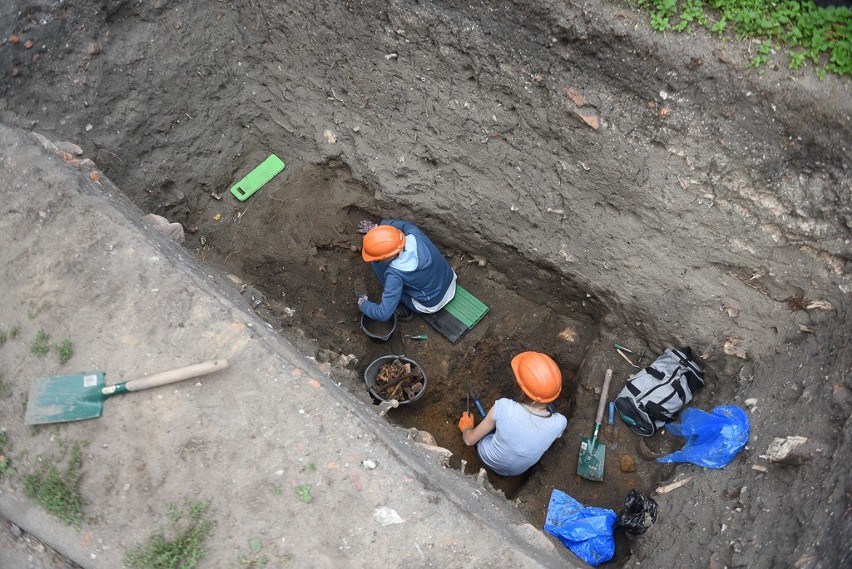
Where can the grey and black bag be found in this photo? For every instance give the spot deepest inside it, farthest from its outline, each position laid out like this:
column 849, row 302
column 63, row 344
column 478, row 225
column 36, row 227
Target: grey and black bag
column 655, row 395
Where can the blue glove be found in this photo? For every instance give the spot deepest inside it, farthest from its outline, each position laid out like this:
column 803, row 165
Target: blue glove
column 364, row 226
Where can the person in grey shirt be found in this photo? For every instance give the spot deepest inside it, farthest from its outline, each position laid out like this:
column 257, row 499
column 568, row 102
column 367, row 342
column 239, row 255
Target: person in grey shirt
column 514, row 435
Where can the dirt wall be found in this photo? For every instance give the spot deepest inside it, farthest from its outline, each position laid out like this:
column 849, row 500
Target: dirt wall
column 692, row 199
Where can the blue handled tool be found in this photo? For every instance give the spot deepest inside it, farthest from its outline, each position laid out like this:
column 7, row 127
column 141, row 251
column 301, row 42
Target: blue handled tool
column 479, row 406
column 611, row 431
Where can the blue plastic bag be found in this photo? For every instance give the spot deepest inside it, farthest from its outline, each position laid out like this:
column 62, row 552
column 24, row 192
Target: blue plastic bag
column 712, row 439
column 587, row 532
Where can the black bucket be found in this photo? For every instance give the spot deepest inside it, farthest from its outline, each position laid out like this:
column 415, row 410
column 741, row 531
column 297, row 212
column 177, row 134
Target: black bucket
column 378, row 332
column 372, row 372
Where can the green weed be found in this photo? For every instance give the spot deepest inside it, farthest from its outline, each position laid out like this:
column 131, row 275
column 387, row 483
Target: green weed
column 253, row 557
column 14, row 331
column 66, row 350
column 3, row 337
column 802, row 30
column 5, row 464
column 304, row 493
column 41, row 344
column 183, row 549
column 57, row 491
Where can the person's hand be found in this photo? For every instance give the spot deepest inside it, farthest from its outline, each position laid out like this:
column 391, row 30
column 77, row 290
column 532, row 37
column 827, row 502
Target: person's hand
column 362, row 297
column 364, row 226
column 466, row 422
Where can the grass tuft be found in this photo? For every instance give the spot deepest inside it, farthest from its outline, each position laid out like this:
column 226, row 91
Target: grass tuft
column 65, row 350
column 57, row 491
column 41, row 344
column 183, row 549
column 5, row 464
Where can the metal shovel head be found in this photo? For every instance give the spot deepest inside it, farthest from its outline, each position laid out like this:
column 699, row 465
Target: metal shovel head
column 590, row 464
column 65, row 398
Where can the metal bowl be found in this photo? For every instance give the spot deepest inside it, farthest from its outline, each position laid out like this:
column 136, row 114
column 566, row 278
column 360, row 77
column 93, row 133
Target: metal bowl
column 375, row 330
column 372, row 372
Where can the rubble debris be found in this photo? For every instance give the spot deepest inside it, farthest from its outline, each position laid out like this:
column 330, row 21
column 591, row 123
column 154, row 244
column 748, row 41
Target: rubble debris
column 387, row 516
column 162, row 225
column 386, row 406
column 788, row 450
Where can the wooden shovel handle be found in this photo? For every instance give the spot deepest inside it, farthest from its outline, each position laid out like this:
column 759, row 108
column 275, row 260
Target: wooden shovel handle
column 604, row 396
column 175, row 375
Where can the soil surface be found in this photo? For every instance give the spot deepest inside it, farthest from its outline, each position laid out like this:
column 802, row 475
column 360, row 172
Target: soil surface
column 590, row 181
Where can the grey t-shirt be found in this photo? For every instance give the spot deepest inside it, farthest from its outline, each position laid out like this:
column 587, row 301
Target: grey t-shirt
column 519, row 438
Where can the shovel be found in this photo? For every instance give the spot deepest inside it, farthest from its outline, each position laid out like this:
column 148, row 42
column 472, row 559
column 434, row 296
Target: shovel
column 590, row 464
column 81, row 396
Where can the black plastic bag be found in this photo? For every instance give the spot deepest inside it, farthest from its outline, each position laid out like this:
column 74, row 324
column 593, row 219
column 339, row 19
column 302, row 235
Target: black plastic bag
column 638, row 510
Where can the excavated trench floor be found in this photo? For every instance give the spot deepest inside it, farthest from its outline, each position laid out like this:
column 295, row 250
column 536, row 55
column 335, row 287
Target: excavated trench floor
column 295, row 252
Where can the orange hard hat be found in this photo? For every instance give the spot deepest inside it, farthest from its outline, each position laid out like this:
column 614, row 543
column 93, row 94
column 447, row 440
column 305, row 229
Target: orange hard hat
column 381, row 242
column 538, row 376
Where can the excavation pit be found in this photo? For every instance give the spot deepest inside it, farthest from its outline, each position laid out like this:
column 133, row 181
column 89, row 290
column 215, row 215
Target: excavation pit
column 307, row 269
column 592, row 181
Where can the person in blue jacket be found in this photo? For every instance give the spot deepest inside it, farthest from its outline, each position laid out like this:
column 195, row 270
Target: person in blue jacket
column 415, row 276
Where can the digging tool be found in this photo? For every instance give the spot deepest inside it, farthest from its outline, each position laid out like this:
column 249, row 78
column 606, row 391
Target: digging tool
column 621, row 349
column 611, row 430
column 80, row 396
column 479, row 407
column 418, row 337
column 471, row 393
column 590, row 464
column 476, row 401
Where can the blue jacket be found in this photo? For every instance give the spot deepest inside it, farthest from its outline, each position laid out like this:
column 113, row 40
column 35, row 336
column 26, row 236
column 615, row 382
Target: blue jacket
column 427, row 283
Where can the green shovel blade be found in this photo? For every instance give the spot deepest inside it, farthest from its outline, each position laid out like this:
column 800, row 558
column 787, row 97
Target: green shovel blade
column 590, row 464
column 65, row 398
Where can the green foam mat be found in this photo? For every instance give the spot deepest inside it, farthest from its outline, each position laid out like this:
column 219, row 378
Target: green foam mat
column 256, row 179
column 468, row 309
column 458, row 317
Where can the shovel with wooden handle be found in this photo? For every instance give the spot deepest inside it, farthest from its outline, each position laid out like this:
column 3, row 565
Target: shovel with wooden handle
column 81, row 396
column 590, row 464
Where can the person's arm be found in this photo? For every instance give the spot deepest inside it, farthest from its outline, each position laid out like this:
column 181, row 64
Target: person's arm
column 474, row 435
column 391, row 296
